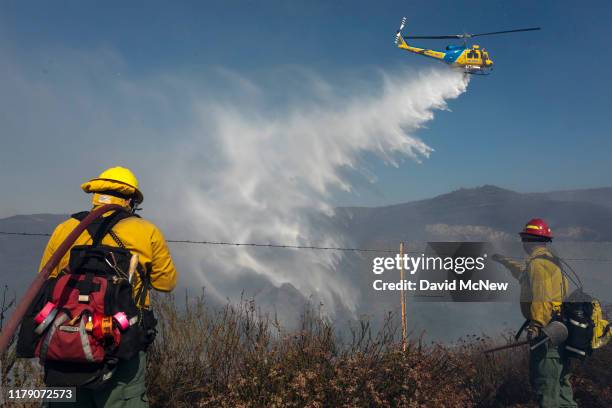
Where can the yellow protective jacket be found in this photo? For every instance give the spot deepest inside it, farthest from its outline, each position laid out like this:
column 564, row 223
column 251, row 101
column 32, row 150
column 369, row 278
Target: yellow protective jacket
column 138, row 235
column 543, row 285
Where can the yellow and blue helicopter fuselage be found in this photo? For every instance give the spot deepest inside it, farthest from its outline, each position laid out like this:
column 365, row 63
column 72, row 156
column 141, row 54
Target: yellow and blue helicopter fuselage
column 473, row 60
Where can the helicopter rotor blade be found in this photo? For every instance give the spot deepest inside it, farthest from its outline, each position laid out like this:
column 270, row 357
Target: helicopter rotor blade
column 438, row 37
column 467, row 35
column 507, row 31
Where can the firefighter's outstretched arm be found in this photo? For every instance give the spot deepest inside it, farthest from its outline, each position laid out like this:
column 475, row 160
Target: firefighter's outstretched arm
column 515, row 267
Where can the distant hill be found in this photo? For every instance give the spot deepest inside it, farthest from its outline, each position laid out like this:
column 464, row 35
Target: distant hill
column 31, row 223
column 569, row 213
column 601, row 196
column 581, row 221
column 20, row 255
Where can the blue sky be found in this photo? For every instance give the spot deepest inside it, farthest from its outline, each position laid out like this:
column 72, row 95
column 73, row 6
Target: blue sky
column 540, row 122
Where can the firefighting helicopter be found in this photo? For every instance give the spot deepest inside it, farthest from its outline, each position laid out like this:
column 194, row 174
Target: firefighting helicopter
column 471, row 59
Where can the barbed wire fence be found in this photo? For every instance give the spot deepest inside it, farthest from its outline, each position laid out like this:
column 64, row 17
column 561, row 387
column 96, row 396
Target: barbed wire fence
column 289, row 246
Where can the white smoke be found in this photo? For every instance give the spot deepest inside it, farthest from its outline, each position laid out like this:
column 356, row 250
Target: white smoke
column 247, row 171
column 445, row 232
column 253, row 174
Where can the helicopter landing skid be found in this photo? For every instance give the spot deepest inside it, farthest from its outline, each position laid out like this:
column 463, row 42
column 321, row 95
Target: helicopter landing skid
column 476, row 70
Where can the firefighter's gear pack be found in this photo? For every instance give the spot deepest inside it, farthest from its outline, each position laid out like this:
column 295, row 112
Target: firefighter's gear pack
column 588, row 330
column 581, row 313
column 86, row 319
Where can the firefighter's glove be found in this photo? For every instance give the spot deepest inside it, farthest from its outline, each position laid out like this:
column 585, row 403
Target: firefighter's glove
column 533, row 331
column 498, row 258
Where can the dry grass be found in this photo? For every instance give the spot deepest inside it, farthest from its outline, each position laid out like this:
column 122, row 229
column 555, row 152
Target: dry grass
column 14, row 372
column 238, row 357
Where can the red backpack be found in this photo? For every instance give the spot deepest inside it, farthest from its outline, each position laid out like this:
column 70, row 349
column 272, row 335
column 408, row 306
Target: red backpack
column 85, row 320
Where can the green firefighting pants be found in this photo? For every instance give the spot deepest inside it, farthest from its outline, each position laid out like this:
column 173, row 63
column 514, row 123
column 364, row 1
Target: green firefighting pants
column 126, row 389
column 549, row 372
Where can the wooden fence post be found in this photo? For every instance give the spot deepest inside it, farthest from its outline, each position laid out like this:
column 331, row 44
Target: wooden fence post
column 403, row 299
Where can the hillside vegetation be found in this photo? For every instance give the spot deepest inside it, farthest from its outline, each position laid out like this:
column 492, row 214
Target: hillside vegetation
column 237, row 357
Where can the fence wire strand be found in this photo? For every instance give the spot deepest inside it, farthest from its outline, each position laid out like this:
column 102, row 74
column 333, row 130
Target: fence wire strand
column 288, row 246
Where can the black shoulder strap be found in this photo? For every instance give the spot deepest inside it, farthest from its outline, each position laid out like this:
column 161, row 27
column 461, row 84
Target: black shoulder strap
column 103, row 225
column 145, row 285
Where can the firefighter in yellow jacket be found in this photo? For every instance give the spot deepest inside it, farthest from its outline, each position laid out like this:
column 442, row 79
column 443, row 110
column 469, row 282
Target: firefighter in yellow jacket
column 543, row 288
column 118, row 185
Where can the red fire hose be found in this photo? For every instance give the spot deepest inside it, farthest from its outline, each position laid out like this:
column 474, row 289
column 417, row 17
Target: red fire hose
column 28, row 297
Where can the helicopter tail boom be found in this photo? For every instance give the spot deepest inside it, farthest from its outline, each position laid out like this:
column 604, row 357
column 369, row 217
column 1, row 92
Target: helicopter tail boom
column 401, row 43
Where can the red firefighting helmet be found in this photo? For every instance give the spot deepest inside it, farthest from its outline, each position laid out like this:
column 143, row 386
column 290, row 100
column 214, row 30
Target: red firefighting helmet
column 536, row 228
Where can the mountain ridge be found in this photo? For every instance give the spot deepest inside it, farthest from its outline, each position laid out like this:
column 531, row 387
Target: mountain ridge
column 487, row 213
column 605, row 194
column 597, row 195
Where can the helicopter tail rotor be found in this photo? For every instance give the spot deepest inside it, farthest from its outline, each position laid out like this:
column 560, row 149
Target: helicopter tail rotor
column 398, row 34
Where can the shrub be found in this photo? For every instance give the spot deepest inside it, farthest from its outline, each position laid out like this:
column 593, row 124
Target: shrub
column 239, row 357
